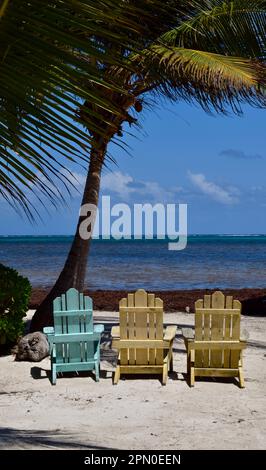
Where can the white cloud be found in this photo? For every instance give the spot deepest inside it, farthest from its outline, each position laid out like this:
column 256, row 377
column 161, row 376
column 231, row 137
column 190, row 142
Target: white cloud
column 117, row 182
column 239, row 154
column 225, row 196
column 126, row 187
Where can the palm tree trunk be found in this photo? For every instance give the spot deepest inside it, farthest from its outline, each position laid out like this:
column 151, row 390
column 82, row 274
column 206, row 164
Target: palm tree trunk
column 74, row 271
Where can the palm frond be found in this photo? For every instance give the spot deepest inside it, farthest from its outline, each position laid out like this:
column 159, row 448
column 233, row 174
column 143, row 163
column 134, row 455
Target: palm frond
column 234, row 27
column 213, row 80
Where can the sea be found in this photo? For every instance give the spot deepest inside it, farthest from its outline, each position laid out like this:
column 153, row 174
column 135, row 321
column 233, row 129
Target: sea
column 209, row 261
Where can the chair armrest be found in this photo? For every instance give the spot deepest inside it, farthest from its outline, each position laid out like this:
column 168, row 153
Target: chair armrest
column 115, row 332
column 98, row 328
column 48, row 330
column 244, row 336
column 188, row 333
column 170, row 333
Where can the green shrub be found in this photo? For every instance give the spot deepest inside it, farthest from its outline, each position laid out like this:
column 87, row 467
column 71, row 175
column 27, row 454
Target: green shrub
column 15, row 292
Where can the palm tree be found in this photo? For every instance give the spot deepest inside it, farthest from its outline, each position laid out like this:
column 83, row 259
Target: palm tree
column 210, row 52
column 46, row 51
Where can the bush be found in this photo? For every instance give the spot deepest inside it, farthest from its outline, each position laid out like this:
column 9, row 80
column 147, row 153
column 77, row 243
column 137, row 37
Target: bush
column 15, row 292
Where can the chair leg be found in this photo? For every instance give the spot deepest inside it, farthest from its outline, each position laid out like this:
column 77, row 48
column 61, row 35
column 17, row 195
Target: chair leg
column 191, row 370
column 240, row 371
column 188, row 368
column 53, row 371
column 53, row 364
column 171, row 366
column 97, row 371
column 241, row 377
column 165, row 373
column 192, row 377
column 117, row 375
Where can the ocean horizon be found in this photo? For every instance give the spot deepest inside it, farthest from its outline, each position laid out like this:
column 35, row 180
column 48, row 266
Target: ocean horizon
column 155, row 237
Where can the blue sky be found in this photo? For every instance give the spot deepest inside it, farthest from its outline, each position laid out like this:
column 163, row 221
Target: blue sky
column 216, row 165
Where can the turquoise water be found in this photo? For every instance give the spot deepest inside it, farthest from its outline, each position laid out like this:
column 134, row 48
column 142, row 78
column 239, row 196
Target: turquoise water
column 209, row 261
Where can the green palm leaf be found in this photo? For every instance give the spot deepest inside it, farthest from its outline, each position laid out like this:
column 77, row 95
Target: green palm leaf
column 226, row 27
column 213, row 80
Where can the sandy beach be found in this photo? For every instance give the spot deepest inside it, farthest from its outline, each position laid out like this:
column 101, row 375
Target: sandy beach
column 138, row 413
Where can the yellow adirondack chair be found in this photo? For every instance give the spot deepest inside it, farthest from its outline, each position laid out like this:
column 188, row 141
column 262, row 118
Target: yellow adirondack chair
column 144, row 347
column 215, row 348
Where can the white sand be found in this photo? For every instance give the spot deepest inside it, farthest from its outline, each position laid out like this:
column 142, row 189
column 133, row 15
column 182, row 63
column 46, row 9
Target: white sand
column 138, row 413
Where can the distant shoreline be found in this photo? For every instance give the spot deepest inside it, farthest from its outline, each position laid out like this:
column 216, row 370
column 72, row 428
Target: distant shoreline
column 253, row 300
column 136, row 238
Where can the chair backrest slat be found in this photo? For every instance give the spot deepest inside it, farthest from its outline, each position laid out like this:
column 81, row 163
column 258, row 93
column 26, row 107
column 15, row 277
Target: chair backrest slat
column 141, row 324
column 123, row 329
column 152, row 328
column 130, row 354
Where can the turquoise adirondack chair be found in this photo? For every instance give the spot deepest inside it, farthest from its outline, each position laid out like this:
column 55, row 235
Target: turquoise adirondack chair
column 74, row 340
